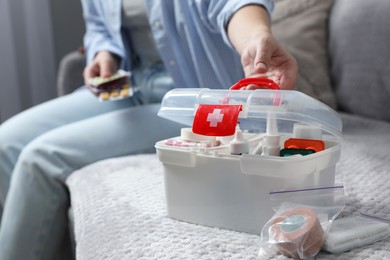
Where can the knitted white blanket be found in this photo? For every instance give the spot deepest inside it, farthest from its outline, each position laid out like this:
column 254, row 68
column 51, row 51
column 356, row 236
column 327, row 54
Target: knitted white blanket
column 119, row 205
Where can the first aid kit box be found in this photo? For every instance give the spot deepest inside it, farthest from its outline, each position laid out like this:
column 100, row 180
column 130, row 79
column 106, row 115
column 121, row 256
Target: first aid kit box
column 239, row 146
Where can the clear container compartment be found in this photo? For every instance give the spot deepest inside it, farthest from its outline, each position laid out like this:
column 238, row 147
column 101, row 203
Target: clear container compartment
column 207, row 185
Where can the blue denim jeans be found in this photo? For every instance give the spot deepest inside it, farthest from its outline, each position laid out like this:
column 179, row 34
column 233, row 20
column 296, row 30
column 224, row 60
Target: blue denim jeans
column 42, row 146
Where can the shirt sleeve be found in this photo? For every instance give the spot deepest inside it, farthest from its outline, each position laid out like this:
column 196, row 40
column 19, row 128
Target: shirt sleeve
column 216, row 14
column 102, row 31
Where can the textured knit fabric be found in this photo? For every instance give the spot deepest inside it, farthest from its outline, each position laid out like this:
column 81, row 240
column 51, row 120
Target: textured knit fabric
column 119, row 205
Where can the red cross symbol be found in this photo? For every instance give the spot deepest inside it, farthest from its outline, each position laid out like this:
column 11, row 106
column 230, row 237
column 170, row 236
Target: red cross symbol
column 215, row 117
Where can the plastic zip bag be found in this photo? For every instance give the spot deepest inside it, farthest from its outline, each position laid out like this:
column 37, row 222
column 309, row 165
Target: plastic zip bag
column 302, row 218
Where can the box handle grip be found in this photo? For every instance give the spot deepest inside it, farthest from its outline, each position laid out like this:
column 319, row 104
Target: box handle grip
column 263, row 82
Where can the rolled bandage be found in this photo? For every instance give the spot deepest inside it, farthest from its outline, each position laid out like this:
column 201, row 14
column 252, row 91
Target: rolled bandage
column 297, row 233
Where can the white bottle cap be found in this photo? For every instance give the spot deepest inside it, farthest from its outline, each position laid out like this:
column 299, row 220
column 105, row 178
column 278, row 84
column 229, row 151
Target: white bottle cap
column 305, row 131
column 271, row 150
column 239, row 145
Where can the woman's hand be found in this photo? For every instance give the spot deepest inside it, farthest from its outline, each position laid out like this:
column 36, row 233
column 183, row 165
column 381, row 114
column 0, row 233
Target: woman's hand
column 105, row 64
column 261, row 54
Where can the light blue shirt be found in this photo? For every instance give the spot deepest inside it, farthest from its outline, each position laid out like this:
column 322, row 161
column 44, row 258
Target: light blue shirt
column 190, row 35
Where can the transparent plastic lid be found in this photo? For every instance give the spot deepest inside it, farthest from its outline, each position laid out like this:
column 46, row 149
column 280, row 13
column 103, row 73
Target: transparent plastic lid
column 287, row 106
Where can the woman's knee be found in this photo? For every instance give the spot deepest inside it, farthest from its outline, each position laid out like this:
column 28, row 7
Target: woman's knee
column 11, row 144
column 43, row 157
column 12, row 137
column 22, row 160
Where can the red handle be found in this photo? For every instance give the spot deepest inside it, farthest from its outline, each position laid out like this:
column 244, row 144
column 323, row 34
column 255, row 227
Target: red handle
column 264, row 82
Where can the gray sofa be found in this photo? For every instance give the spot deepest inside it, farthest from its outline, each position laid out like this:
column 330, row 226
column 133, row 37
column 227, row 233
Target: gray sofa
column 342, row 49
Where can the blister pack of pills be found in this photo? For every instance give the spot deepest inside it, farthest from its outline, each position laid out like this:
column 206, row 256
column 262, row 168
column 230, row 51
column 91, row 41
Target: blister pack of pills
column 115, row 87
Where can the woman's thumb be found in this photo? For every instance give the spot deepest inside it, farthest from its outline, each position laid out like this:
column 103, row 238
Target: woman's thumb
column 262, row 59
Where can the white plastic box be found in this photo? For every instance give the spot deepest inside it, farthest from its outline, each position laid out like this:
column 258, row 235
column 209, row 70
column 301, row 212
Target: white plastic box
column 210, row 186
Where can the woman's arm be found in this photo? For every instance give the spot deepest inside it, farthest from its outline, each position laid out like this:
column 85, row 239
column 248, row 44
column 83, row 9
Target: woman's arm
column 261, row 55
column 247, row 22
column 102, row 39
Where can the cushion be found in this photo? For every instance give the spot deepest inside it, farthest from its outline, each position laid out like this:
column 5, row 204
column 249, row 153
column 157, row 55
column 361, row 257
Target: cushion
column 120, row 209
column 70, row 73
column 301, row 27
column 359, row 47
